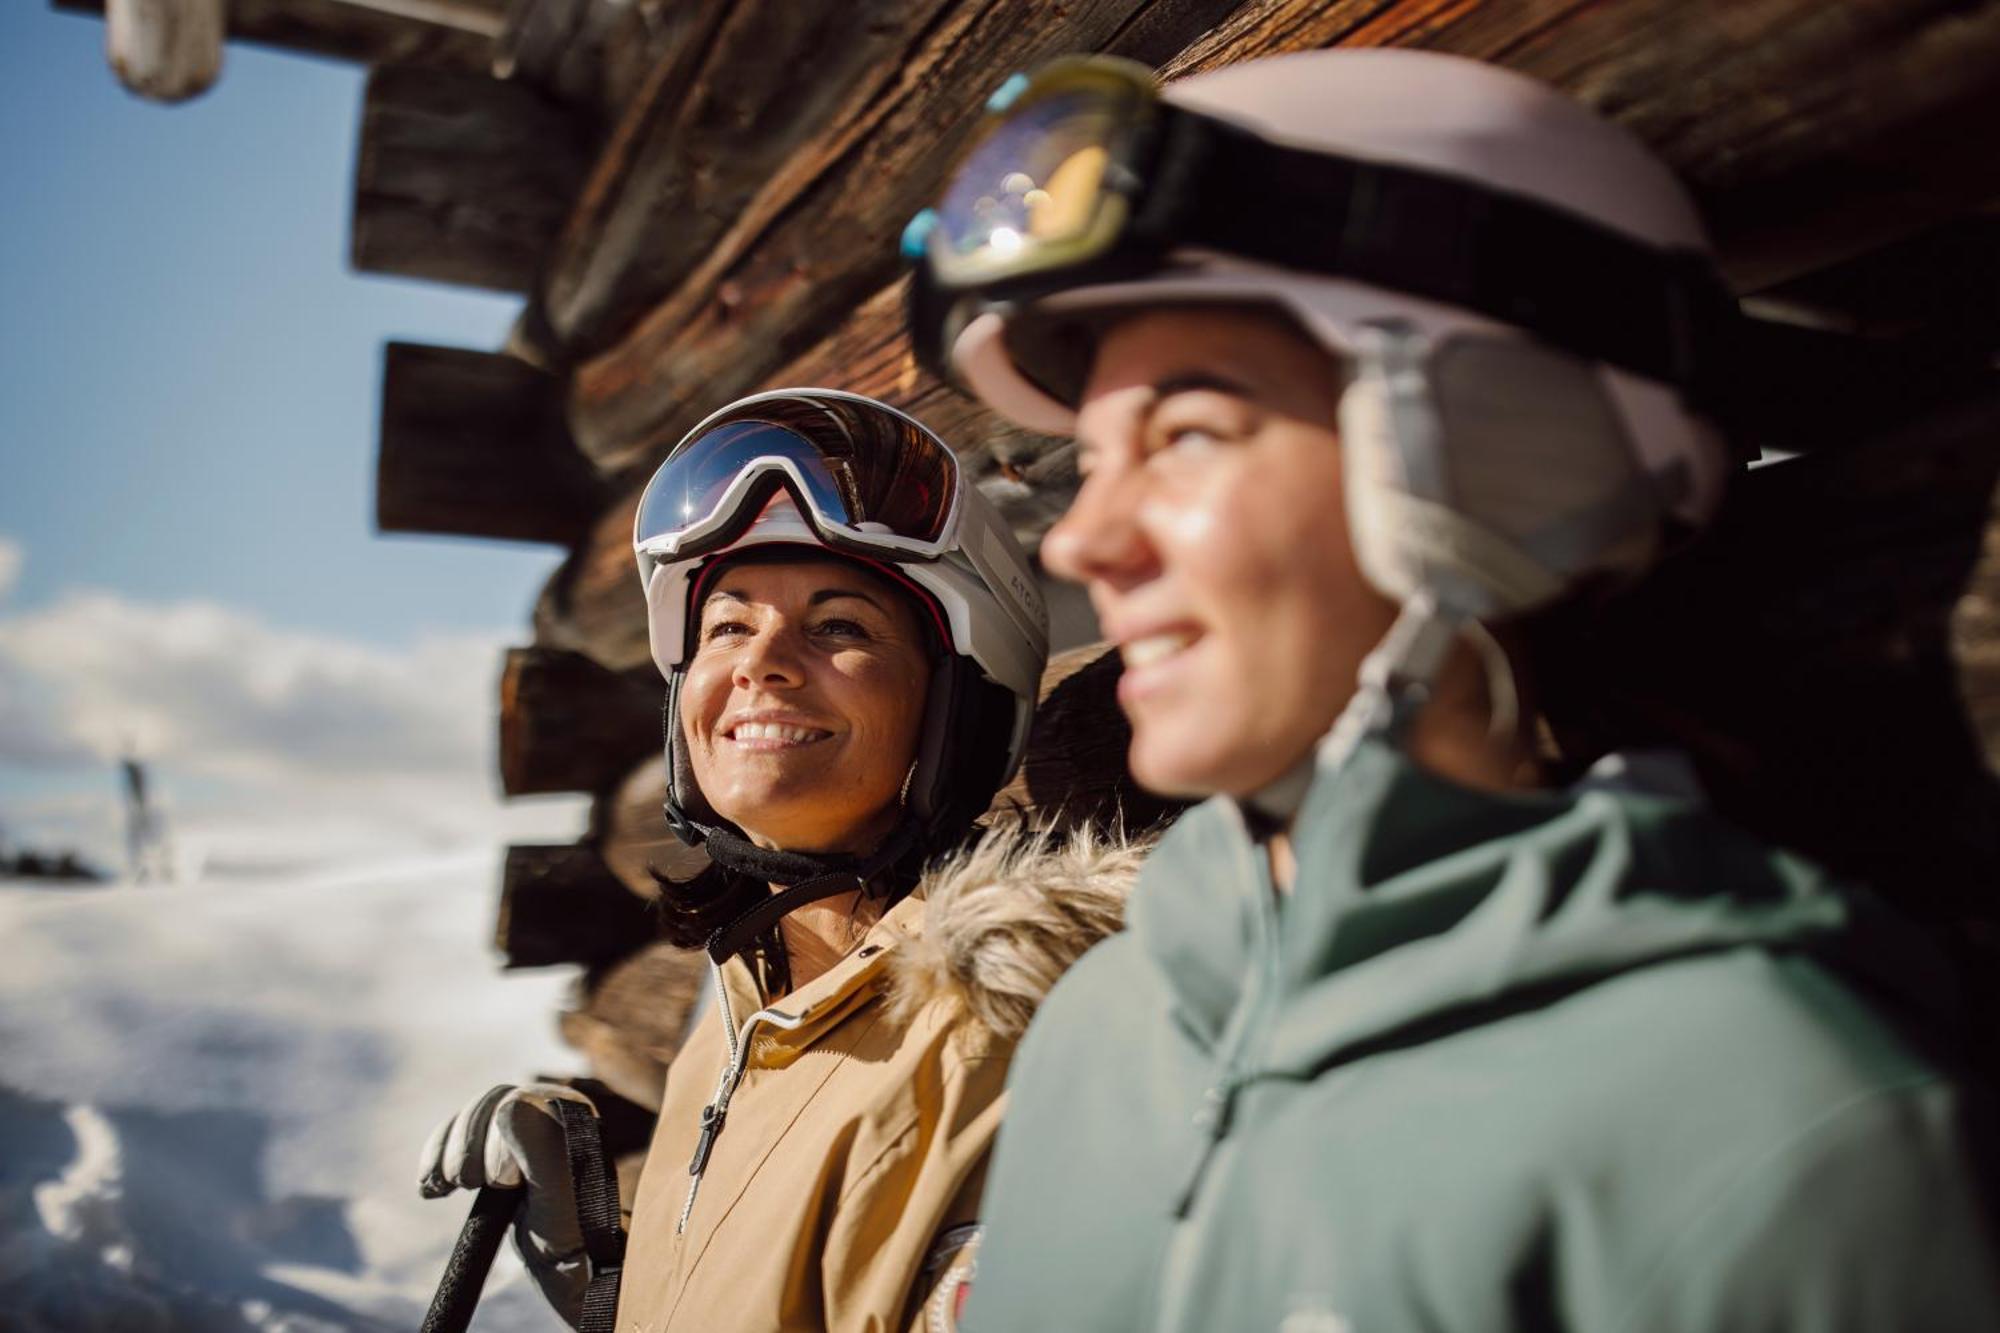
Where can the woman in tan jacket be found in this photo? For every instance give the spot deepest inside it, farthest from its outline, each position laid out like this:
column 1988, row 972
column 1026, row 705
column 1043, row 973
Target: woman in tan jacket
column 852, row 644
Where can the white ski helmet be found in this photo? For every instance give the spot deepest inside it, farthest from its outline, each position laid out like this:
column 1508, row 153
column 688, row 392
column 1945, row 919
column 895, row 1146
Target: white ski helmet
column 853, row 478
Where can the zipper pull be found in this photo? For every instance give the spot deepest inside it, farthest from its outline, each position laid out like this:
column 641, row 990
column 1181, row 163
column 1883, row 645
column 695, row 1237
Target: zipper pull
column 711, row 1125
column 1212, row 1119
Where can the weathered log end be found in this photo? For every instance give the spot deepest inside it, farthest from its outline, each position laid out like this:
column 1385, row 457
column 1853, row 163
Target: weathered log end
column 473, row 443
column 559, row 904
column 569, row 725
column 462, row 178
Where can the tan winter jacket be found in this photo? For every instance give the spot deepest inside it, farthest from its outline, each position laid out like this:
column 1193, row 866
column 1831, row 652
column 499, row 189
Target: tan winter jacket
column 859, row 1108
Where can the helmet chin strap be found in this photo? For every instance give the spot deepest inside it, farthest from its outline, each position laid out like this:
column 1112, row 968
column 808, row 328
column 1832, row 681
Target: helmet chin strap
column 807, row 877
column 1443, row 568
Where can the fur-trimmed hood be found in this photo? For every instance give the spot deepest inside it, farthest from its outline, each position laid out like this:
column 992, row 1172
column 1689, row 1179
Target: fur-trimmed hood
column 1005, row 918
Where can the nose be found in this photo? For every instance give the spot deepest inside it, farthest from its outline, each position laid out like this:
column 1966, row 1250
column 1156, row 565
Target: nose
column 1100, row 539
column 771, row 659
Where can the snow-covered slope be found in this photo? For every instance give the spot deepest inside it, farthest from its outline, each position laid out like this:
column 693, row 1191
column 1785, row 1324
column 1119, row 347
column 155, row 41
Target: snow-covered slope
column 212, row 1097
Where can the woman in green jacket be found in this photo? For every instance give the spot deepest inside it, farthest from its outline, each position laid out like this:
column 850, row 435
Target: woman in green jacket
column 1369, row 355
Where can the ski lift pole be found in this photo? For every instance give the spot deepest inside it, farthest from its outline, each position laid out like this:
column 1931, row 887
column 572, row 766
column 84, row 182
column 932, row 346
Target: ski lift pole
column 465, row 1272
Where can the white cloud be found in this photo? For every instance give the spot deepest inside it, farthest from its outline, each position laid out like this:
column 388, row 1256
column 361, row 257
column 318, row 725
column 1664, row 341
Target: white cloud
column 275, row 746
column 225, row 695
column 11, row 558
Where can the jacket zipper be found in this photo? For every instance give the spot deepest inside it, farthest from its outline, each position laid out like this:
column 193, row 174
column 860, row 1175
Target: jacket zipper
column 713, row 1114
column 1219, row 1106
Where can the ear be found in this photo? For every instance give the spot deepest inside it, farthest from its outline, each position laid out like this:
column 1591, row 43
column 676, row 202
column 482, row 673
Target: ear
column 929, row 784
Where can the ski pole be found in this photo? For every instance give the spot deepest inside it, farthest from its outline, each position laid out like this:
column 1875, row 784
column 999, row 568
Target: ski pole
column 465, row 1272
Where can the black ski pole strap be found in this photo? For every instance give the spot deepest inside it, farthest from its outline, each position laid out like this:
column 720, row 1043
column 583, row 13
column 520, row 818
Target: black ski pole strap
column 594, row 1182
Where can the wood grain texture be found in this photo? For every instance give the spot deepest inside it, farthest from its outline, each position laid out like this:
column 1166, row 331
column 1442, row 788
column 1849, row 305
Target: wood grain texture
column 1074, row 771
column 633, row 1016
column 461, row 177
column 474, row 443
column 715, row 149
column 593, row 604
column 785, row 273
column 631, row 826
column 587, row 54
column 1810, row 132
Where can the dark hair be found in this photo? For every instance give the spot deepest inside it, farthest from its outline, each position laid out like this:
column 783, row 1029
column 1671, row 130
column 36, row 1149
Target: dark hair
column 693, row 909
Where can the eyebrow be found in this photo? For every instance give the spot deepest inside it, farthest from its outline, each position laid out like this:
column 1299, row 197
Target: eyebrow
column 835, row 594
column 1195, row 380
column 818, row 598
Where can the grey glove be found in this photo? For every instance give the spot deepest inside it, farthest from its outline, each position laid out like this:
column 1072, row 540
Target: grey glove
column 510, row 1137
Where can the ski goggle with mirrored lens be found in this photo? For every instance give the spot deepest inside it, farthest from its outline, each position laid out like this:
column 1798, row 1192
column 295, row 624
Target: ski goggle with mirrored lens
column 1083, row 175
column 867, row 479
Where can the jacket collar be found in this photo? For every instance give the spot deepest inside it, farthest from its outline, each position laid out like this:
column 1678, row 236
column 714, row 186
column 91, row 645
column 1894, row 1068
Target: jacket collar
column 823, row 1003
column 1418, row 901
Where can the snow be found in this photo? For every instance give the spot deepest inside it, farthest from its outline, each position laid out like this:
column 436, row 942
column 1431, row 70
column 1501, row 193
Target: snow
column 212, row 1096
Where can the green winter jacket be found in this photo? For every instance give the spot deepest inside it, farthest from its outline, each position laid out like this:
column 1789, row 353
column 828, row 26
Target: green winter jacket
column 1584, row 1060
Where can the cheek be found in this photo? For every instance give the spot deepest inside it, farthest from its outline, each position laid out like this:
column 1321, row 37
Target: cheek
column 1242, row 538
column 886, row 701
column 1261, row 561
column 704, row 692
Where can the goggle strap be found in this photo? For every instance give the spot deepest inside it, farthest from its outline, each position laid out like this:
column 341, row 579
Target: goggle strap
column 1571, row 281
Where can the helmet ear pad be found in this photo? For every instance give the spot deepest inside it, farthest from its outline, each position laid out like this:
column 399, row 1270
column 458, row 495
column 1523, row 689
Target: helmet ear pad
column 689, row 814
column 964, row 748
column 1494, row 472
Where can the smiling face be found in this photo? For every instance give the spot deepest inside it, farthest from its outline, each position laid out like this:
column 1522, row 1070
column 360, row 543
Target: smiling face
column 1211, row 533
column 803, row 700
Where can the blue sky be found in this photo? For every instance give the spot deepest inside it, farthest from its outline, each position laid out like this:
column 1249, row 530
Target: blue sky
column 189, row 382
column 191, row 373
